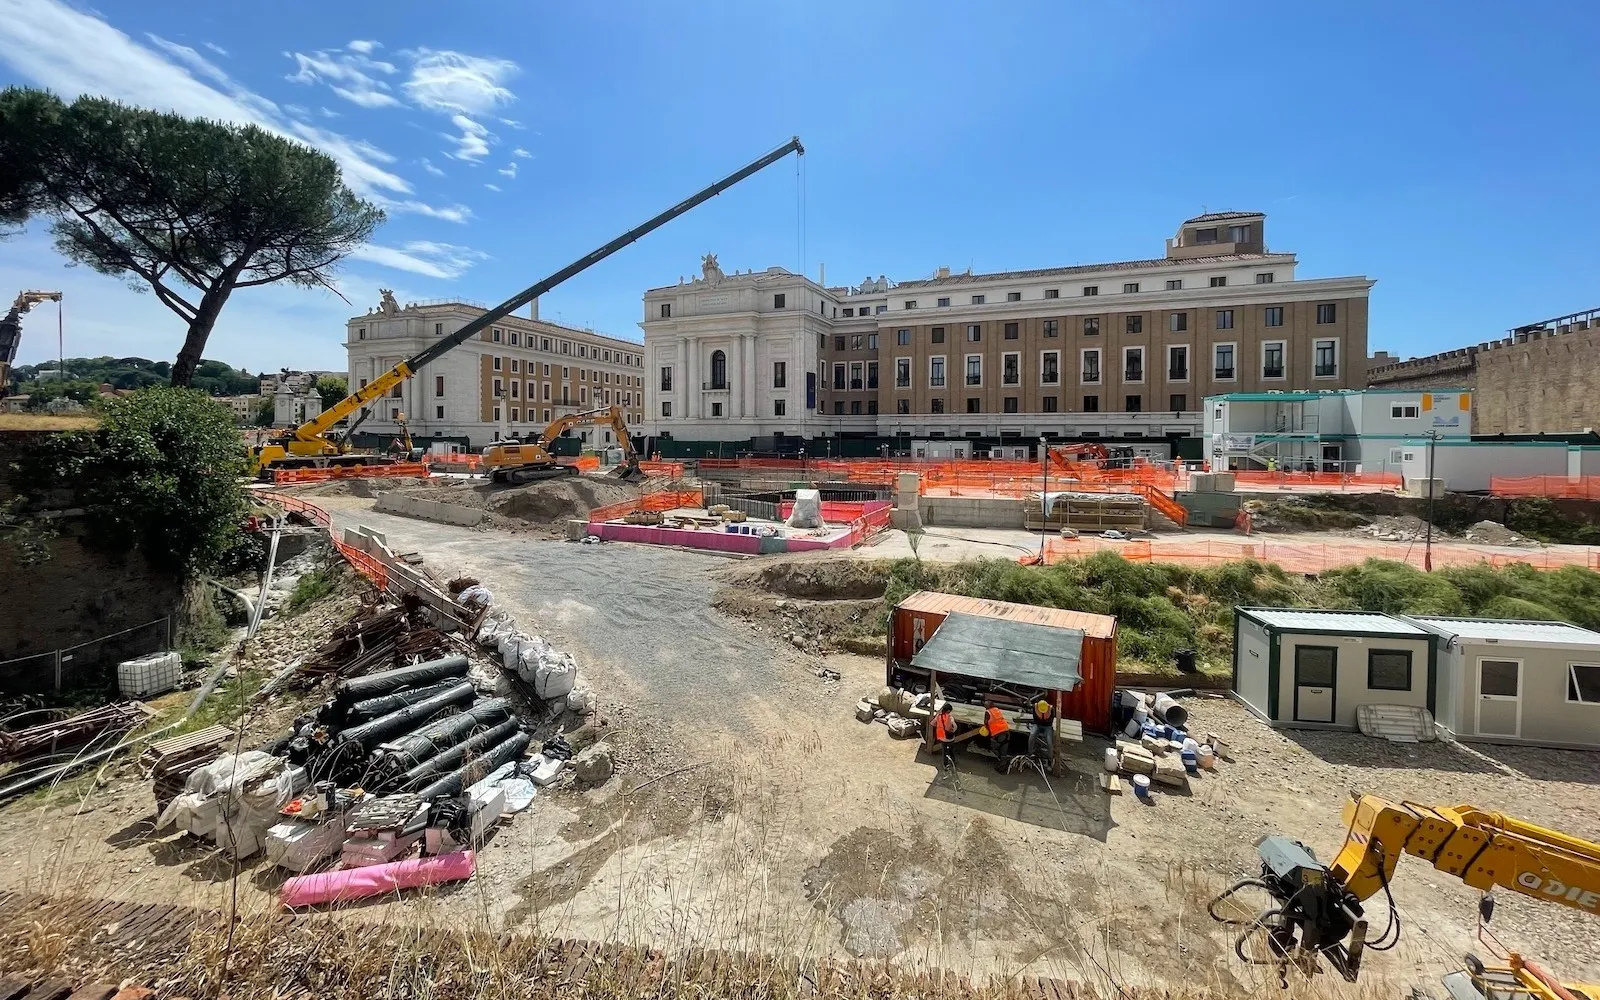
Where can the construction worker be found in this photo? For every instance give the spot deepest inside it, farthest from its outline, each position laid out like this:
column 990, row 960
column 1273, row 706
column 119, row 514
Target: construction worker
column 998, row 731
column 944, row 733
column 1044, row 719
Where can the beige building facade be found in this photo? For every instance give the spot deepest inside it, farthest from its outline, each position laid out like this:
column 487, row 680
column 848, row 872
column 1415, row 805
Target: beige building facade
column 1121, row 349
column 510, row 380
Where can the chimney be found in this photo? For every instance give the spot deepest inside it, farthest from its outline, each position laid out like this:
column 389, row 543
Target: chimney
column 533, row 309
column 822, row 275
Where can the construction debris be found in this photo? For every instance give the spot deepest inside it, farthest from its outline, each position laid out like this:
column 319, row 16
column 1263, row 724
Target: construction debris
column 171, row 761
column 376, row 639
column 71, row 733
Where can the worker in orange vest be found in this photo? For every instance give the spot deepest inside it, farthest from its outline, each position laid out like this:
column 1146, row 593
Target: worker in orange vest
column 995, row 726
column 944, row 733
column 1044, row 719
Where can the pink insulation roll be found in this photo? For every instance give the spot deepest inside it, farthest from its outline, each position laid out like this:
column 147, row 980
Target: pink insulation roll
column 372, row 880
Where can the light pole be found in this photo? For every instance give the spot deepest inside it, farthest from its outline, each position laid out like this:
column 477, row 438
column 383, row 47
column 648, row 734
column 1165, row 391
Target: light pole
column 1044, row 491
column 1427, row 551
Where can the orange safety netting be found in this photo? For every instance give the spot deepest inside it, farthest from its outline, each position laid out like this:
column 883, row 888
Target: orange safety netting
column 360, row 561
column 1556, row 487
column 1327, row 480
column 409, row 469
column 671, row 469
column 662, row 500
column 1308, row 558
column 468, row 461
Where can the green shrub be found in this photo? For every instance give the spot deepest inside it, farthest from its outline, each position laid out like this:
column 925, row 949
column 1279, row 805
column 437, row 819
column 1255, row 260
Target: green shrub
column 313, row 587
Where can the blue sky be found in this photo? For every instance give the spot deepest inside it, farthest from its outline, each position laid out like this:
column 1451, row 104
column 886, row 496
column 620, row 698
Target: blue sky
column 1445, row 150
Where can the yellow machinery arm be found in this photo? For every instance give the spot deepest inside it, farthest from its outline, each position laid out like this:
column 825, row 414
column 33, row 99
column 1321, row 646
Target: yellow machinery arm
column 314, row 431
column 611, row 415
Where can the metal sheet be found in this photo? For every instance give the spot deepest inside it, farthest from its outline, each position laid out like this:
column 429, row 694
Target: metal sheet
column 1021, row 653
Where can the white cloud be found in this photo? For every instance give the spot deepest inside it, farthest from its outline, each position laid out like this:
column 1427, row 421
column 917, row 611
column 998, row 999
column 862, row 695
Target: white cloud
column 297, row 110
column 472, row 143
column 509, row 170
column 348, row 74
column 492, row 187
column 430, row 168
column 448, row 213
column 453, row 81
column 328, row 113
column 444, row 261
column 52, row 45
column 214, row 47
column 195, row 61
column 363, row 46
column 521, row 153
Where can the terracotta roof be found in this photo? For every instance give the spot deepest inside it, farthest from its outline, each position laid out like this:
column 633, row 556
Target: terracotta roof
column 1220, row 216
column 1096, row 626
column 1121, row 265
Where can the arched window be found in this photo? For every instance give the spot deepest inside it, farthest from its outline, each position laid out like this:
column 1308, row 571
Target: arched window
column 719, row 370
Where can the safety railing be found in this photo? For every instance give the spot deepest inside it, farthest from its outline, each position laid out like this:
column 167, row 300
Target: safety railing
column 359, row 561
column 283, row 477
column 1553, row 487
column 673, row 470
column 1282, row 479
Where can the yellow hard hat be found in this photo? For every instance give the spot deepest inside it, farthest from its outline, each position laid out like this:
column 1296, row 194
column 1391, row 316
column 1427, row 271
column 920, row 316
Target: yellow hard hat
column 1042, row 705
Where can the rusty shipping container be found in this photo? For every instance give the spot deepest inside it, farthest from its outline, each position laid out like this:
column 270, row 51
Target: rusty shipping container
column 915, row 619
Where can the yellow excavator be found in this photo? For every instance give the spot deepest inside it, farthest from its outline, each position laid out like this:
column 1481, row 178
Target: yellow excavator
column 526, row 461
column 1318, row 911
column 314, row 444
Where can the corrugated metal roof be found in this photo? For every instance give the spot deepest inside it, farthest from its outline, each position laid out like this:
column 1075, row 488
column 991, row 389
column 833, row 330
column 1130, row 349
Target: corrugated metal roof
column 1334, row 621
column 1026, row 654
column 1474, row 629
column 1092, row 625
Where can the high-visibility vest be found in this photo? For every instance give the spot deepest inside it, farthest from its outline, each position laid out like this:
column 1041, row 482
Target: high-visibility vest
column 994, row 722
column 943, row 730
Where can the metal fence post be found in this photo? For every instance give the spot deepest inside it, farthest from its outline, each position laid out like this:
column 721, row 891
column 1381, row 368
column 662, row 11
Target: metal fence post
column 58, row 669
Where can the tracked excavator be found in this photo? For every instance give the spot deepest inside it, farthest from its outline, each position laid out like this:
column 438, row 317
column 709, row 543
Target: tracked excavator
column 315, row 444
column 526, row 461
column 1317, row 909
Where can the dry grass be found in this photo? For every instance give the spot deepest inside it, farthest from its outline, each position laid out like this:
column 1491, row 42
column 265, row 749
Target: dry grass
column 48, row 422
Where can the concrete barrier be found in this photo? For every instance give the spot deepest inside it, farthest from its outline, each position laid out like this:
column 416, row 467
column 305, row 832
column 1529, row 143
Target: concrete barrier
column 429, row 510
column 971, row 512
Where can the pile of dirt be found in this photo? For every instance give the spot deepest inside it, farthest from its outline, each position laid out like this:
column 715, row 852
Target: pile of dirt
column 1495, row 533
column 1297, row 513
column 543, row 506
column 813, row 578
column 1401, row 528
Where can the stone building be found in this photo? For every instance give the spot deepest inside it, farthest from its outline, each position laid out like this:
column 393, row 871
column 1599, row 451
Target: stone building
column 1119, row 349
column 1543, row 378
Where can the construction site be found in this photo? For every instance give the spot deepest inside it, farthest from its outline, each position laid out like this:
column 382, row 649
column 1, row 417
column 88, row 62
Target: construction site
column 518, row 722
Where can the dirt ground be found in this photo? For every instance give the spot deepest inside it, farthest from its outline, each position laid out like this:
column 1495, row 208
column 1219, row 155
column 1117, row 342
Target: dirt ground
column 752, row 808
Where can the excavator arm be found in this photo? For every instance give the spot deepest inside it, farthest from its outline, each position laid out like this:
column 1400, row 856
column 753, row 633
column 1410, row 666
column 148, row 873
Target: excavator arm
column 1318, row 908
column 609, row 415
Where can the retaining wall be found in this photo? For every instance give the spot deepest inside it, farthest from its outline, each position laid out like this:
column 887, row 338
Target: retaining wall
column 971, row 512
column 429, row 510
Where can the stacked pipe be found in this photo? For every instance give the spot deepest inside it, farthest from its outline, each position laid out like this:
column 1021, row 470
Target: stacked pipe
column 352, row 746
column 450, row 760
column 390, row 681
column 454, row 782
column 393, row 759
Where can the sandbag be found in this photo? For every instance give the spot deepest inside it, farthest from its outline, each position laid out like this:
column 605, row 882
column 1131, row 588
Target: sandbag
column 493, row 627
column 555, row 676
column 581, row 699
column 475, row 598
column 807, row 512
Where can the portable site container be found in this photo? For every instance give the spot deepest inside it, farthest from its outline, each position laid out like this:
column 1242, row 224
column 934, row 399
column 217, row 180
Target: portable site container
column 1088, row 700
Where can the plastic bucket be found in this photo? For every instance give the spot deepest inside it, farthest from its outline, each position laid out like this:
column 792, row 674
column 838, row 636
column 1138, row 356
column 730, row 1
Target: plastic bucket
column 1141, row 786
column 1112, row 761
column 1208, row 759
column 1191, row 761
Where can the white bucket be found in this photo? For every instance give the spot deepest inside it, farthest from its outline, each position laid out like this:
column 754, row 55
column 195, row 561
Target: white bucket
column 1208, row 758
column 1141, row 786
column 1112, row 760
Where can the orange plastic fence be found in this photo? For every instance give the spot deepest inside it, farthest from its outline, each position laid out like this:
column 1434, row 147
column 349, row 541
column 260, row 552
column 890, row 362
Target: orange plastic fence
column 1300, row 557
column 659, row 501
column 952, row 474
column 672, row 469
column 362, row 563
column 585, row 463
column 1556, row 487
column 462, row 459
column 1334, row 480
column 410, row 469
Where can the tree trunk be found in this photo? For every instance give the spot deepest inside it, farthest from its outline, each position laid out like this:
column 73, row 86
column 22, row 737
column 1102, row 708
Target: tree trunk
column 194, row 343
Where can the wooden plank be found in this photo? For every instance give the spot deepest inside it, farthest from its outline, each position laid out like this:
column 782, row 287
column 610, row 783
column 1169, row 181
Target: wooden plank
column 14, row 987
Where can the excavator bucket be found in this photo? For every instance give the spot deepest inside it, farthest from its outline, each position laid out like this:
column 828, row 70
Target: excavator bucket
column 628, row 472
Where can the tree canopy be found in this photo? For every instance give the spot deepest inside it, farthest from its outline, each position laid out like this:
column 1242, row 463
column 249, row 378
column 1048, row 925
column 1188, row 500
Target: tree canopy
column 190, row 208
column 216, row 377
column 332, row 388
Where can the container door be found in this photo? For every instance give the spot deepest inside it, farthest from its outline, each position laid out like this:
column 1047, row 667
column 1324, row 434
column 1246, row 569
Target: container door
column 1499, row 697
column 1316, row 669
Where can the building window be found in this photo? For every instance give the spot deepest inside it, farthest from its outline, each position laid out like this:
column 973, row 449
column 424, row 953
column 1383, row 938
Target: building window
column 438, row 413
column 516, row 415
column 872, row 342
column 495, row 364
column 396, row 413
column 1048, row 404
column 1133, row 404
column 516, row 365
column 838, row 377
column 545, row 415
column 719, row 370
column 850, row 311
column 1404, row 411
column 1273, row 316
column 495, row 335
column 1327, row 359
column 944, row 301
column 974, row 404
column 977, row 300
column 1049, row 368
column 872, row 407
column 855, row 407
column 902, row 373
column 583, row 350
column 937, row 406
column 1205, row 235
column 902, row 406
column 1011, row 369
column 1091, row 366
column 974, row 369
column 1010, row 331
column 716, row 409
column 1177, row 322
column 1009, row 404
column 937, row 335
column 974, row 333
column 1389, row 670
column 1091, row 404
column 1091, row 326
column 1178, row 363
column 438, row 385
column 838, row 407
column 902, row 337
column 1219, row 281
column 936, row 372
column 666, row 310
column 666, row 377
column 499, row 389
column 855, row 342
column 1264, row 278
column 1327, row 312
column 911, row 303
column 566, row 347
column 1133, row 364
column 1133, row 324
column 1583, row 683
column 1091, row 289
column 516, row 338
column 1174, row 284
column 881, row 308
column 438, row 329
column 1272, row 359
column 516, row 389
column 1129, row 287
column 838, row 343
column 546, row 392
column 779, row 301
column 1013, row 296
column 1223, row 362
column 1239, row 234
column 1224, row 319
column 872, row 374
column 1052, row 293
column 855, row 376
column 1177, row 402
column 1052, row 328
column 780, row 374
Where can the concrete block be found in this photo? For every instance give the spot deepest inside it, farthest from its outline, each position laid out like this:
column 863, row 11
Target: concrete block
column 1170, row 773
column 577, row 529
column 905, row 520
column 430, row 510
column 1425, row 487
column 1201, row 482
column 908, row 482
column 1221, row 482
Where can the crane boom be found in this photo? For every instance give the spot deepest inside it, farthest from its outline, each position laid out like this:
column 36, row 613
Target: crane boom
column 311, row 436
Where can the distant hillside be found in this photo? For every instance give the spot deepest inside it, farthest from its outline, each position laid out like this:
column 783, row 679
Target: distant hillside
column 214, row 377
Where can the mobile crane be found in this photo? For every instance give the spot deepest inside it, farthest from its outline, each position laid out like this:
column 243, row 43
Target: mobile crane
column 525, row 461
column 1318, row 908
column 311, row 443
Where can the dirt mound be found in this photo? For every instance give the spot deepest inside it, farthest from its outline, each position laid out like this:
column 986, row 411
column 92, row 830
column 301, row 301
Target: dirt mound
column 1402, row 528
column 1495, row 533
column 825, row 579
column 364, row 488
column 557, row 500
